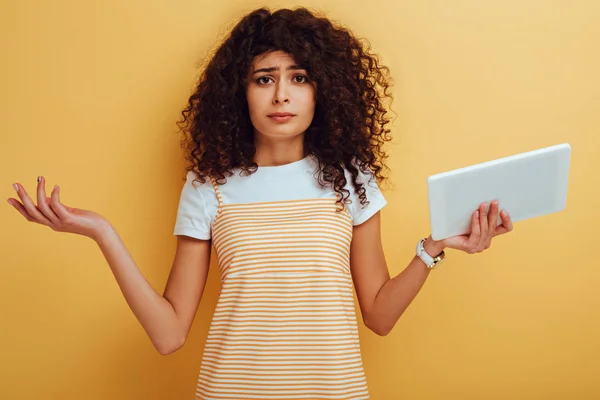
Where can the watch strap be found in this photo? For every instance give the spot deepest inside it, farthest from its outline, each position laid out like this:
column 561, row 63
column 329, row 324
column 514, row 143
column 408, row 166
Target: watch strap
column 429, row 261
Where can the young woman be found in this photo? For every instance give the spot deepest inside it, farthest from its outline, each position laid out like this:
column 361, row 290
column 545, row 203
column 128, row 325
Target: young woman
column 284, row 136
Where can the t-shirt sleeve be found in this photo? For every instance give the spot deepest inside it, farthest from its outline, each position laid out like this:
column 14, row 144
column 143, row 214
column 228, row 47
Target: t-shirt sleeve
column 194, row 211
column 375, row 198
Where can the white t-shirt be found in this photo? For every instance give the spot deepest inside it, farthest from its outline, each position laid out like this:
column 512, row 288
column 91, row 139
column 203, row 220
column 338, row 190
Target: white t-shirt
column 294, row 181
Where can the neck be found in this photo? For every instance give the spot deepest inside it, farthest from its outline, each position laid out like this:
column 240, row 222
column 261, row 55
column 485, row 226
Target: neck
column 278, row 152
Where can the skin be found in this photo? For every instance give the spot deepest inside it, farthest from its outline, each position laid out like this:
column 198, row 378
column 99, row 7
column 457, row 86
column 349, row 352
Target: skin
column 167, row 318
column 277, row 84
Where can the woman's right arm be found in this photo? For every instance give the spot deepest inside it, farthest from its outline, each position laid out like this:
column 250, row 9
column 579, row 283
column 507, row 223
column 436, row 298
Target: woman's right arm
column 166, row 319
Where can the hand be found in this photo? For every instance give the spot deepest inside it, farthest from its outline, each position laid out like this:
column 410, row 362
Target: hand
column 59, row 217
column 483, row 228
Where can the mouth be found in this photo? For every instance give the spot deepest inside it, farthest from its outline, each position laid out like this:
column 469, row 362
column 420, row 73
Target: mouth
column 281, row 117
column 281, row 114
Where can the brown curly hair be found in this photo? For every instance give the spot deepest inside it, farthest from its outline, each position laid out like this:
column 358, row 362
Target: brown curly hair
column 348, row 128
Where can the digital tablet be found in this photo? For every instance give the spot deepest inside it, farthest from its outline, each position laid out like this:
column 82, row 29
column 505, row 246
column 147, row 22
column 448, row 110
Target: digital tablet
column 526, row 185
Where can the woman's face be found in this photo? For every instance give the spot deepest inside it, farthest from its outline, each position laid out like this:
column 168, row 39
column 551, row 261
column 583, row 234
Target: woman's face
column 277, row 85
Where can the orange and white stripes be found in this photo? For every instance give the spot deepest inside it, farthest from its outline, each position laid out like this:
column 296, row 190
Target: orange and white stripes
column 285, row 323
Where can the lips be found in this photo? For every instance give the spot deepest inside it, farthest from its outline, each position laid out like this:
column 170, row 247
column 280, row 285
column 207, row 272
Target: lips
column 280, row 114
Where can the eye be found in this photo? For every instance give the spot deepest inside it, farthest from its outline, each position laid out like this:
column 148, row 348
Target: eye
column 261, row 80
column 303, row 77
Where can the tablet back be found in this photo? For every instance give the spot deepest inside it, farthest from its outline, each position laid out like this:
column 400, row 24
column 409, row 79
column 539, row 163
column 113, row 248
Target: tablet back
column 526, row 185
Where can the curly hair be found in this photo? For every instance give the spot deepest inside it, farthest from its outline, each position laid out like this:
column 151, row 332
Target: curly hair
column 348, row 128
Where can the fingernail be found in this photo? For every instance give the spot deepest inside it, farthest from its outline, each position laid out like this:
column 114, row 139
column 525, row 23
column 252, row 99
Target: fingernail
column 9, row 202
column 16, row 187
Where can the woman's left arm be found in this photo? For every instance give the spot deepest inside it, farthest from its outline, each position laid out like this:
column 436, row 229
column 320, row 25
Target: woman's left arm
column 383, row 299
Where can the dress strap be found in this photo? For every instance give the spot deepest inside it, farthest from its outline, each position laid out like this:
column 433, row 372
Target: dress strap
column 217, row 191
column 338, row 199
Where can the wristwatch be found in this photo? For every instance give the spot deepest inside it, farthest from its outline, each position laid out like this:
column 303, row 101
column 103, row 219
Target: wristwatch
column 430, row 262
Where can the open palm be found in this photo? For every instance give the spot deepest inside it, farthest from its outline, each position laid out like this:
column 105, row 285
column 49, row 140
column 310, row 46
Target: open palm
column 51, row 212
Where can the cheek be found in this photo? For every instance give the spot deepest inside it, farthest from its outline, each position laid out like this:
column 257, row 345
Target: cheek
column 309, row 103
column 256, row 97
column 256, row 108
column 252, row 101
column 311, row 98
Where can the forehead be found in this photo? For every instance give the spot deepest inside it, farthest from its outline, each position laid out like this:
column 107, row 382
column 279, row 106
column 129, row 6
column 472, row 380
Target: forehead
column 273, row 59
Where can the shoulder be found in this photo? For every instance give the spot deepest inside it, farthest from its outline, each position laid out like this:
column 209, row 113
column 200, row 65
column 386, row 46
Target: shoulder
column 192, row 179
column 197, row 207
column 196, row 189
column 375, row 200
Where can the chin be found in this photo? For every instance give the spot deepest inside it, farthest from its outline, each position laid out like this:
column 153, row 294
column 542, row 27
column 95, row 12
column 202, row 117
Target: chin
column 282, row 131
column 283, row 135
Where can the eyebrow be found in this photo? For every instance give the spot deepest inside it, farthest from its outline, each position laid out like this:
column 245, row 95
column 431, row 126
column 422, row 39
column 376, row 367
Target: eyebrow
column 271, row 69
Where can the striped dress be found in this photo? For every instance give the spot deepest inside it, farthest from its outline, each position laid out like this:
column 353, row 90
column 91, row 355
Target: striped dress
column 285, row 324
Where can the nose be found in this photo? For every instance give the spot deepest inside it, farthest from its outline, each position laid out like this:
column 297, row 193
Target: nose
column 281, row 94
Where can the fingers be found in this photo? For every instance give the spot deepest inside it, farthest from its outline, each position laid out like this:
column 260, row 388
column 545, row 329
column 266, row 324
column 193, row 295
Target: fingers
column 480, row 238
column 42, row 203
column 22, row 210
column 31, row 208
column 49, row 211
column 493, row 216
column 507, row 224
column 492, row 223
column 56, row 206
column 484, row 226
column 483, row 220
column 473, row 241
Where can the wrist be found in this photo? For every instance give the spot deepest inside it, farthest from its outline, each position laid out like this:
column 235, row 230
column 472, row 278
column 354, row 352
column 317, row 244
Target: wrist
column 102, row 232
column 432, row 247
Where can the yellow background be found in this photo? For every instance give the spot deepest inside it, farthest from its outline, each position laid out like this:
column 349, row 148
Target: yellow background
column 90, row 94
